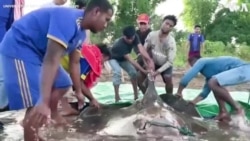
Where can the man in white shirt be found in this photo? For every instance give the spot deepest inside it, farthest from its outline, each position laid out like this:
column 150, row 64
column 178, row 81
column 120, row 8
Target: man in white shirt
column 161, row 46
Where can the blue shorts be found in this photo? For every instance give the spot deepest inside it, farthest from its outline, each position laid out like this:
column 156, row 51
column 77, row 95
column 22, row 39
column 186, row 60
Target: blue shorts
column 234, row 76
column 22, row 82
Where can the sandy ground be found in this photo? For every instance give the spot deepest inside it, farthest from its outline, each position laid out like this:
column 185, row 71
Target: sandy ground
column 196, row 83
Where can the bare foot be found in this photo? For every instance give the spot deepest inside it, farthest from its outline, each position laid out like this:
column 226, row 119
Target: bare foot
column 135, row 98
column 70, row 112
column 240, row 112
column 222, row 116
column 58, row 119
column 117, row 99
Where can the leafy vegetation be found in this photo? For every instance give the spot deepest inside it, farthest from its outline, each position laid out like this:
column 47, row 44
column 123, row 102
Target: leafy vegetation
column 219, row 25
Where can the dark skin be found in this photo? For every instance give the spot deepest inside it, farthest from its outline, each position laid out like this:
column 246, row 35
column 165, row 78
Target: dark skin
column 74, row 66
column 39, row 115
column 95, row 20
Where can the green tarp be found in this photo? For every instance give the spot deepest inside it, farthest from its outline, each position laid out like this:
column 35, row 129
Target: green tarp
column 104, row 92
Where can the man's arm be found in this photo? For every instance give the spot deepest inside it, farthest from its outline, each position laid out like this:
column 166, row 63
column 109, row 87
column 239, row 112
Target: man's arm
column 58, row 36
column 198, row 66
column 205, row 92
column 134, row 63
column 50, row 66
column 86, row 91
column 74, row 70
column 202, row 44
column 143, row 51
column 171, row 56
column 188, row 43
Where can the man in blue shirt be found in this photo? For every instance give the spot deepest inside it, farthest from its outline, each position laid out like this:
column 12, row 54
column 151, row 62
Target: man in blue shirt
column 195, row 42
column 208, row 67
column 31, row 52
column 6, row 19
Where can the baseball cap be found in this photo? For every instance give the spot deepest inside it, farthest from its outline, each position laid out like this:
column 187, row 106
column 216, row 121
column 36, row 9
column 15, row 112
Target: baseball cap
column 143, row 18
column 129, row 31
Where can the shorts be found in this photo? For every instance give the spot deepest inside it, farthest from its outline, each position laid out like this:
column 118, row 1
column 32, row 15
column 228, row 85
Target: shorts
column 194, row 54
column 22, row 82
column 234, row 76
column 166, row 73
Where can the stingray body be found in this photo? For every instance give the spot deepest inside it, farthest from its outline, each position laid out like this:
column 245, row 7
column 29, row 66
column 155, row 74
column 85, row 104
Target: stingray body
column 149, row 117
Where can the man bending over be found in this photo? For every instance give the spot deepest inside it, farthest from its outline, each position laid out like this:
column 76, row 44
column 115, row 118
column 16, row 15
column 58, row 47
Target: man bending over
column 208, row 67
column 121, row 59
column 31, row 51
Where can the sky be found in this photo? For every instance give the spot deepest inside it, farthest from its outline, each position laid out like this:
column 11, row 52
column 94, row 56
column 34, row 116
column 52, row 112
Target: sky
column 173, row 7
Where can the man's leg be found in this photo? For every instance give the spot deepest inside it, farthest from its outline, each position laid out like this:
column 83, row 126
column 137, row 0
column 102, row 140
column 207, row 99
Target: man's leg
column 61, row 85
column 3, row 95
column 116, row 69
column 21, row 81
column 141, row 77
column 231, row 77
column 167, row 78
column 223, row 114
column 130, row 69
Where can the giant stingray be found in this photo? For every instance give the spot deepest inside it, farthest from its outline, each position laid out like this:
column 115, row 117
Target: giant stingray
column 149, row 117
column 146, row 119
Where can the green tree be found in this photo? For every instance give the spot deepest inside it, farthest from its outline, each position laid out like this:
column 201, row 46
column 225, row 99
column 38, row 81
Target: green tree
column 229, row 24
column 126, row 14
column 198, row 12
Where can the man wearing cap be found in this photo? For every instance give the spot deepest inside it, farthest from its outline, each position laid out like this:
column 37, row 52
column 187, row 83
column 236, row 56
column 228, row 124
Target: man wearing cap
column 161, row 46
column 121, row 59
column 144, row 28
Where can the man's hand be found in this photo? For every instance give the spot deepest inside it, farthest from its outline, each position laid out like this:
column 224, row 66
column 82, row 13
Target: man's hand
column 179, row 95
column 151, row 64
column 146, row 71
column 95, row 103
column 156, row 73
column 40, row 115
column 80, row 99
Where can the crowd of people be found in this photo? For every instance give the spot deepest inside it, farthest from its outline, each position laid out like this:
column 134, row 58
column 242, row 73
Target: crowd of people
column 42, row 56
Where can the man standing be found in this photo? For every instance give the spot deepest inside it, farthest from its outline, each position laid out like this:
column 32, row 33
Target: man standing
column 10, row 10
column 31, row 51
column 121, row 59
column 142, row 32
column 195, row 42
column 215, row 68
column 161, row 46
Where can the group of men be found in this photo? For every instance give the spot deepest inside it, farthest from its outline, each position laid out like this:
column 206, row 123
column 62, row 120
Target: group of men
column 36, row 78
column 161, row 47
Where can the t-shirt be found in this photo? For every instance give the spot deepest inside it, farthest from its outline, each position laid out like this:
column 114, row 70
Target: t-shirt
column 195, row 40
column 28, row 37
column 84, row 66
column 121, row 48
column 142, row 37
column 6, row 16
column 52, row 4
column 163, row 52
column 209, row 67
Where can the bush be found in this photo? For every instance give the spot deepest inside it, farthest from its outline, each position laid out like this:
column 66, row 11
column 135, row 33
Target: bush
column 213, row 49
